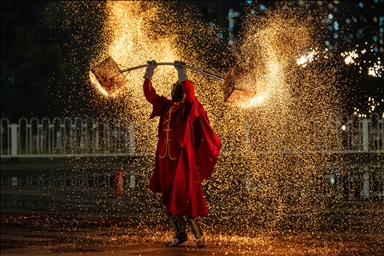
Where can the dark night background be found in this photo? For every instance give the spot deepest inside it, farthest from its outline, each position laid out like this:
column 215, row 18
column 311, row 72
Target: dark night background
column 38, row 79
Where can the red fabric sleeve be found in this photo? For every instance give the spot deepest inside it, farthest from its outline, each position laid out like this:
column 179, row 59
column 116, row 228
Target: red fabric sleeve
column 150, row 92
column 190, row 98
column 189, row 91
column 159, row 106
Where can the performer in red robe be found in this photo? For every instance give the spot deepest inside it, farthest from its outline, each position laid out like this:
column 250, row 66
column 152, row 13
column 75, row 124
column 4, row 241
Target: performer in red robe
column 186, row 154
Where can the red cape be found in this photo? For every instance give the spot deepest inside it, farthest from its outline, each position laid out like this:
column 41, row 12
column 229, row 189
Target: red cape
column 191, row 156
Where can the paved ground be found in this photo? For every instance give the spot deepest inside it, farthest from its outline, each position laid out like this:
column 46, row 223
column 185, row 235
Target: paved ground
column 29, row 241
column 42, row 234
column 30, row 227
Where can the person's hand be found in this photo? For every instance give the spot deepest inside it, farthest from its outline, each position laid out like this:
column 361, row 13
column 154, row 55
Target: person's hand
column 181, row 70
column 150, row 69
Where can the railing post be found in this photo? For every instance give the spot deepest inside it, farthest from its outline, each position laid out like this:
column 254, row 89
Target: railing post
column 13, row 140
column 131, row 139
column 365, row 134
column 365, row 184
column 247, row 182
column 247, row 137
column 132, row 180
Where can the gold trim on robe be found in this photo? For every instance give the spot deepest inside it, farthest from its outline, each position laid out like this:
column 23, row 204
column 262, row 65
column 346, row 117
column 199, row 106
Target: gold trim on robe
column 167, row 145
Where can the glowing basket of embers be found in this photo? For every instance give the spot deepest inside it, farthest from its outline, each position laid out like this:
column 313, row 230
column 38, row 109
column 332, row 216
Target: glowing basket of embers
column 232, row 93
column 109, row 77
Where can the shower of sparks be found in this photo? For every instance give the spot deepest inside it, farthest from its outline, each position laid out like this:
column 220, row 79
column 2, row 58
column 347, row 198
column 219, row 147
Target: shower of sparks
column 373, row 105
column 131, row 43
column 304, row 59
column 97, row 84
column 376, row 70
column 350, row 57
column 266, row 177
column 128, row 30
column 255, row 101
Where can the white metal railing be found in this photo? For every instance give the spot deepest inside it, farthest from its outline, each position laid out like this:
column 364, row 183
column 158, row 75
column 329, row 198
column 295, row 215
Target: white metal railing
column 67, row 136
column 111, row 137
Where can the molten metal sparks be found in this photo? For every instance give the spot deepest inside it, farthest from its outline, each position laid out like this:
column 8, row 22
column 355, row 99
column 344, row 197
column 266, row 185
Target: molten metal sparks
column 350, row 57
column 131, row 43
column 304, row 59
column 271, row 169
column 376, row 70
column 258, row 100
column 97, row 85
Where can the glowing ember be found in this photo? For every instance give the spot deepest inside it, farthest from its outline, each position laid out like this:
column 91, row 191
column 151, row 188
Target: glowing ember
column 304, row 59
column 96, row 83
column 376, row 70
column 255, row 101
column 350, row 57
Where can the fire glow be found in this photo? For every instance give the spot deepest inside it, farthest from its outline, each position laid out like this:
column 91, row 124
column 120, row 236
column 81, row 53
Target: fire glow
column 350, row 57
column 97, row 85
column 307, row 58
column 255, row 184
column 258, row 100
column 376, row 70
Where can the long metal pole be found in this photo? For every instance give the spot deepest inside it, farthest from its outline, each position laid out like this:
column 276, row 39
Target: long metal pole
column 172, row 64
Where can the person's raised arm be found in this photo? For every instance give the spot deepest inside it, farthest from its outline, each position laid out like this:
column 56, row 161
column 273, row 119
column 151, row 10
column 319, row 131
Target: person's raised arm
column 189, row 91
column 150, row 92
column 188, row 87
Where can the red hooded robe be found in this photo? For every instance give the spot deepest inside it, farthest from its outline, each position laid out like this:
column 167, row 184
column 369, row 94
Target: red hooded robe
column 186, row 153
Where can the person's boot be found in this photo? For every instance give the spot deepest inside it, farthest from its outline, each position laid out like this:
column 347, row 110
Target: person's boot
column 199, row 239
column 178, row 226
